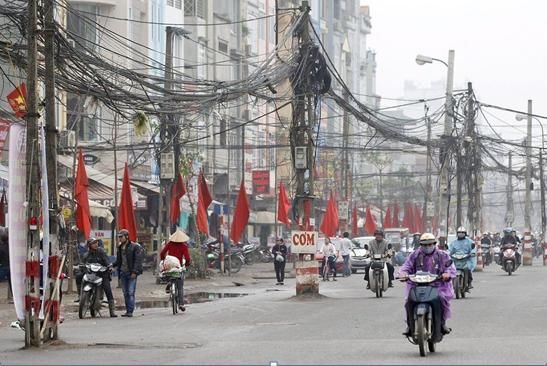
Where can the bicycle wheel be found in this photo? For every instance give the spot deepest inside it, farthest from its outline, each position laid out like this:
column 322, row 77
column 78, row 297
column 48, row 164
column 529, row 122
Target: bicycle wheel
column 173, row 297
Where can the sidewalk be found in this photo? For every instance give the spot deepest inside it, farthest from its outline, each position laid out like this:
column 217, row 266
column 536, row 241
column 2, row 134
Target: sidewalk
column 249, row 278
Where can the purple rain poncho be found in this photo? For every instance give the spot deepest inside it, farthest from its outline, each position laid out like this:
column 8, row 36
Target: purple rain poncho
column 443, row 264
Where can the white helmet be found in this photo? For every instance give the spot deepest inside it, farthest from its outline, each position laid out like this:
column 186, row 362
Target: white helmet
column 461, row 229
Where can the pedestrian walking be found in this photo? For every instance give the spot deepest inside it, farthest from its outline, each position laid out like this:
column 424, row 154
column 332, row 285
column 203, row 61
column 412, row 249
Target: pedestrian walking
column 330, row 254
column 129, row 262
column 279, row 252
column 345, row 250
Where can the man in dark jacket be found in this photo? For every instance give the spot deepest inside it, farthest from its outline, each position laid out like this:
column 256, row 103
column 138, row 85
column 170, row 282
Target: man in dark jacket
column 98, row 255
column 129, row 262
column 279, row 252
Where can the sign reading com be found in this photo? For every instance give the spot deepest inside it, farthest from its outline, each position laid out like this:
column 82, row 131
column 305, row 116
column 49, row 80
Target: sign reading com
column 304, row 242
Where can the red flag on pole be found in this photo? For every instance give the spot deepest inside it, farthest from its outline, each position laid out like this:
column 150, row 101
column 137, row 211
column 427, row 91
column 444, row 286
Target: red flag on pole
column 177, row 192
column 126, row 215
column 83, row 217
column 407, row 218
column 395, row 222
column 387, row 218
column 241, row 214
column 283, row 205
column 418, row 225
column 17, row 100
column 370, row 224
column 329, row 225
column 204, row 200
column 354, row 218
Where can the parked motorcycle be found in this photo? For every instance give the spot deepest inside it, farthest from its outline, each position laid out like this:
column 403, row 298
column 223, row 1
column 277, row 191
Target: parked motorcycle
column 378, row 275
column 509, row 260
column 461, row 281
column 92, row 290
column 425, row 313
column 234, row 261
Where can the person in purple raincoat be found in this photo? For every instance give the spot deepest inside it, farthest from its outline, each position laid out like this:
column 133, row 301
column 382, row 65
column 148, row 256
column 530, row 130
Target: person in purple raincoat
column 428, row 258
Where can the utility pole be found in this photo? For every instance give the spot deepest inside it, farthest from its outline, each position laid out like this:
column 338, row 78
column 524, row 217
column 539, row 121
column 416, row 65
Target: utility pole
column 444, row 174
column 51, row 151
column 32, row 281
column 528, row 202
column 472, row 164
column 303, row 157
column 510, row 214
column 426, row 216
column 459, row 183
column 542, row 186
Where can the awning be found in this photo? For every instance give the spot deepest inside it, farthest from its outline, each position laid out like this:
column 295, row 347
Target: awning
column 95, row 208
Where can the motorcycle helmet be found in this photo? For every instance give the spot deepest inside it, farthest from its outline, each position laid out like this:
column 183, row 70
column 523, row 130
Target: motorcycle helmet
column 91, row 241
column 507, row 231
column 428, row 239
column 123, row 232
column 461, row 232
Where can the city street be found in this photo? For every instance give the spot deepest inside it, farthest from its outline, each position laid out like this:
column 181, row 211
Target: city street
column 503, row 321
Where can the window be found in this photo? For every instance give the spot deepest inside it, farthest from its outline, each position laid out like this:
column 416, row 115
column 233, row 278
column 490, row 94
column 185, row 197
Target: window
column 178, row 4
column 222, row 132
column 85, row 32
column 189, row 8
column 201, row 9
column 222, row 46
column 170, row 3
column 87, row 125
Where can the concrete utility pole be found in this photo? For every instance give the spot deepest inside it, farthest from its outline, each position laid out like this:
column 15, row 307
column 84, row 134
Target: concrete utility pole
column 510, row 213
column 32, row 281
column 528, row 202
column 448, row 125
column 472, row 164
column 302, row 149
column 427, row 215
column 51, row 148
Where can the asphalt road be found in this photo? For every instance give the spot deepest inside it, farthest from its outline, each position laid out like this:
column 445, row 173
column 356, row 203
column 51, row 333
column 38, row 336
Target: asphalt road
column 503, row 321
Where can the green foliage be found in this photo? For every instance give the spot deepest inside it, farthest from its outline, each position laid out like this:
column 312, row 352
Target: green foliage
column 140, row 123
column 187, row 162
column 197, row 268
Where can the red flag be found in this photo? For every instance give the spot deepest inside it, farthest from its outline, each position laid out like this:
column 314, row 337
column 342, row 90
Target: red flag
column 204, row 200
column 3, row 209
column 370, row 224
column 329, row 225
column 354, row 218
column 408, row 219
column 387, row 218
column 83, row 217
column 177, row 192
column 395, row 222
column 17, row 100
column 418, row 224
column 241, row 214
column 126, row 215
column 283, row 205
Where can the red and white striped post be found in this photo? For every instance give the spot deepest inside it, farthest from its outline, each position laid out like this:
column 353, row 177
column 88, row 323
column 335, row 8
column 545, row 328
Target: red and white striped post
column 304, row 245
column 527, row 255
column 480, row 263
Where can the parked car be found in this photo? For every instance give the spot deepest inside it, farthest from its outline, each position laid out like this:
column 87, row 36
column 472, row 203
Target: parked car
column 359, row 256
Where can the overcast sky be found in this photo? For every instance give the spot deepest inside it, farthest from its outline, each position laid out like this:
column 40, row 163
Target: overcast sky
column 500, row 45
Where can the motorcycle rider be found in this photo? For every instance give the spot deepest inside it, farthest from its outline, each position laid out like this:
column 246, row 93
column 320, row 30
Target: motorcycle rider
column 330, row 254
column 96, row 254
column 178, row 248
column 486, row 244
column 465, row 245
column 429, row 259
column 509, row 238
column 379, row 245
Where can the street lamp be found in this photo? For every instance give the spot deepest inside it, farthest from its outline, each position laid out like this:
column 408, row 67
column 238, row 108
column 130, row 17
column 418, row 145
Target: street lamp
column 444, row 178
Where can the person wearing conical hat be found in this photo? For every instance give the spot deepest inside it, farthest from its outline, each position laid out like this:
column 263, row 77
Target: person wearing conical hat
column 178, row 248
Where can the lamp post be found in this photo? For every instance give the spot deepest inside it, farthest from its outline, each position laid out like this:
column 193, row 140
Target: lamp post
column 448, row 125
column 529, row 117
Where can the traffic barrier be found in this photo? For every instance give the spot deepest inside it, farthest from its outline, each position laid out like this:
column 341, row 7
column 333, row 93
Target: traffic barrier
column 545, row 254
column 527, row 250
column 480, row 264
column 307, row 279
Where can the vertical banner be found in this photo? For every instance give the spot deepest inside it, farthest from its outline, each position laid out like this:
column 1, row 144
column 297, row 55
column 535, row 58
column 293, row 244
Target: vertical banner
column 45, row 219
column 17, row 216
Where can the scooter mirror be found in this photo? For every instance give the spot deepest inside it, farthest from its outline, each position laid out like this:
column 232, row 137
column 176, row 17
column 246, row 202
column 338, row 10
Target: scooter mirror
column 473, row 246
column 366, row 246
column 389, row 246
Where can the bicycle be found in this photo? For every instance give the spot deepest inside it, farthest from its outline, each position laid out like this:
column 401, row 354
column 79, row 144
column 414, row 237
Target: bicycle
column 172, row 276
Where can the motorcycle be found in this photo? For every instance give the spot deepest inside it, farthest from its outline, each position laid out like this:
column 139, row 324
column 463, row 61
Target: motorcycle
column 378, row 275
column 250, row 253
column 486, row 254
column 497, row 254
column 424, row 312
column 92, row 290
column 234, row 261
column 509, row 260
column 461, row 281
